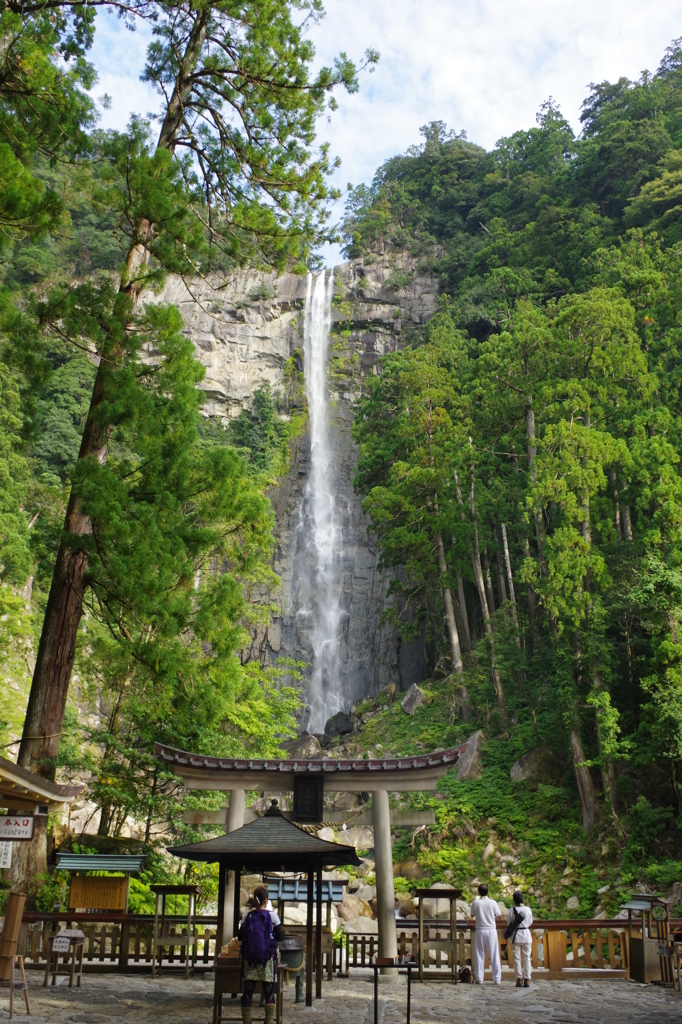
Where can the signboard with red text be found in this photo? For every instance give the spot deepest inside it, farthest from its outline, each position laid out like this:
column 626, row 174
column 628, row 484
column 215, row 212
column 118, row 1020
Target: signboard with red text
column 16, row 826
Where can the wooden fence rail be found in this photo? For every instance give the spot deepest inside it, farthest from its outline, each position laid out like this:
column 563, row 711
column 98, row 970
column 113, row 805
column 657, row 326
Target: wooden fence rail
column 123, row 942
column 559, row 948
column 116, row 941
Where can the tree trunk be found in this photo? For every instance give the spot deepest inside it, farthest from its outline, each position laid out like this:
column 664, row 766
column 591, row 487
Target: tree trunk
column 57, row 647
column 531, row 601
column 463, row 609
column 510, row 581
column 29, row 859
column 488, row 583
column 608, row 773
column 627, row 522
column 453, row 635
column 521, row 675
column 105, row 819
column 588, row 800
column 616, row 504
column 500, row 579
column 532, row 452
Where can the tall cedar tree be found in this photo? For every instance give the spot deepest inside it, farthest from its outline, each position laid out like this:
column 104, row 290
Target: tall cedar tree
column 233, row 169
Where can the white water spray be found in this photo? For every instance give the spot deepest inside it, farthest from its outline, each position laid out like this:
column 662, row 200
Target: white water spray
column 321, row 518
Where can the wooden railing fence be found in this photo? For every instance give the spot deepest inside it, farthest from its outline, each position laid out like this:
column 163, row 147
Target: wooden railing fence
column 559, row 948
column 116, row 941
column 122, row 942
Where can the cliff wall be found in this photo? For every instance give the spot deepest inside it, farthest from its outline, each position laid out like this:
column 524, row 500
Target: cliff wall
column 244, row 331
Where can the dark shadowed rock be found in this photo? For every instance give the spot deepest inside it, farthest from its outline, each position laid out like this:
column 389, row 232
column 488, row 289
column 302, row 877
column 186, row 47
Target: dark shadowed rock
column 536, row 766
column 304, row 746
column 339, row 725
column 469, row 765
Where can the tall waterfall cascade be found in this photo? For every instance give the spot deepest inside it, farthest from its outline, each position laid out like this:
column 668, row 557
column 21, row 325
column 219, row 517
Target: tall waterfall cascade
column 329, row 611
column 320, row 598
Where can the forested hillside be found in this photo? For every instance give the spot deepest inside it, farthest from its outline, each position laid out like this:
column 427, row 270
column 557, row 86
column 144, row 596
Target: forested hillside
column 521, row 457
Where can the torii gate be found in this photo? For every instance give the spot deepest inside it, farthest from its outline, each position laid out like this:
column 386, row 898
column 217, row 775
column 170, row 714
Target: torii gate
column 375, row 776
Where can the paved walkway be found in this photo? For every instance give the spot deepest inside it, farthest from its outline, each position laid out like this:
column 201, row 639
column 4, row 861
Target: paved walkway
column 136, row 999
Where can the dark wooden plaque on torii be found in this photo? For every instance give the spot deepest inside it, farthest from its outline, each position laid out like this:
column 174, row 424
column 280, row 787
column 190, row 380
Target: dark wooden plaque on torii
column 308, row 799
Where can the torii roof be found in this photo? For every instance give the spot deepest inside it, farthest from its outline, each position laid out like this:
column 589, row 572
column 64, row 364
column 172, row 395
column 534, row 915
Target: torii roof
column 398, row 774
column 270, row 843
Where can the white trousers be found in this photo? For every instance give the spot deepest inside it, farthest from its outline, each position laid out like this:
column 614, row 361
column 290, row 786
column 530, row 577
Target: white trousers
column 486, row 942
column 522, row 959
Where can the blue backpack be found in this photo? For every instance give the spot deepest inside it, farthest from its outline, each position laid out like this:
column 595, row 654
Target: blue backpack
column 258, row 941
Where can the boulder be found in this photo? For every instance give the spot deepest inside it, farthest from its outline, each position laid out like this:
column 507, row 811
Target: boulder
column 412, row 699
column 572, row 903
column 674, row 895
column 339, row 725
column 488, row 852
column 295, row 914
column 405, row 906
column 351, row 907
column 366, row 892
column 536, row 766
column 361, row 837
column 469, row 765
column 304, row 746
column 408, row 869
column 367, row 867
column 443, row 668
column 361, row 926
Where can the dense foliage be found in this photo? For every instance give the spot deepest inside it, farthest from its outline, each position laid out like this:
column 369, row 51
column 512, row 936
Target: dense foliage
column 135, row 538
column 521, row 457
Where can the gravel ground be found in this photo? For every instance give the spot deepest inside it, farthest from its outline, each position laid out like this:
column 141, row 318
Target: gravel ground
column 134, row 999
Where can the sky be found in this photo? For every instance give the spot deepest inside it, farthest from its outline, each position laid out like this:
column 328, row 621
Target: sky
column 482, row 66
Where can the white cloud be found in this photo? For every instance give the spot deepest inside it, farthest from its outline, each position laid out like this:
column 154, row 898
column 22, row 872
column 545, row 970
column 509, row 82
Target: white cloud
column 484, row 66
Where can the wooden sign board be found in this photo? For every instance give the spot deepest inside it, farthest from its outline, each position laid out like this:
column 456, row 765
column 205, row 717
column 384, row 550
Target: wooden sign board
column 5, row 855
column 308, row 798
column 16, row 827
column 96, row 892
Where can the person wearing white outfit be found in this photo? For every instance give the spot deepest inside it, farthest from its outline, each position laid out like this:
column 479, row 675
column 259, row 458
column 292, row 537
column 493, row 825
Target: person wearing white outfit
column 521, row 941
column 485, row 912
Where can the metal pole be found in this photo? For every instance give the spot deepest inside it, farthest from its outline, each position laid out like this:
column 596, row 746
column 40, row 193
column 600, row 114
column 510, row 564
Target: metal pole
column 409, row 990
column 318, row 935
column 309, row 943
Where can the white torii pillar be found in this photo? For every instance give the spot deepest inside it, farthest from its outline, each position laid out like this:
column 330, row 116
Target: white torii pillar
column 234, row 820
column 383, row 862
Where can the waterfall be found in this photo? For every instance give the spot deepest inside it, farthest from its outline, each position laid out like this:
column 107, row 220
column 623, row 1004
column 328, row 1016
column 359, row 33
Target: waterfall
column 320, row 530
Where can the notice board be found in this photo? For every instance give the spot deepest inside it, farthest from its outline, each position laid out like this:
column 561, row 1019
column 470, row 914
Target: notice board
column 97, row 892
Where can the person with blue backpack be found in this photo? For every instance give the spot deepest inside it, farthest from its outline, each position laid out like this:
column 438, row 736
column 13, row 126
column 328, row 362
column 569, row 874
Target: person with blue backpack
column 259, row 933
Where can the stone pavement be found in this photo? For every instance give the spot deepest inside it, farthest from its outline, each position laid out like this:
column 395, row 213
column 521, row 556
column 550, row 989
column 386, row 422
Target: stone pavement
column 136, row 999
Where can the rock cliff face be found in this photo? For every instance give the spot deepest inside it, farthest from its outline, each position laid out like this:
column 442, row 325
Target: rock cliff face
column 244, row 332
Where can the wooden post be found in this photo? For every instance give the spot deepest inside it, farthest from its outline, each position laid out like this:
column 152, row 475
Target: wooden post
column 237, row 890
column 124, row 948
column 309, row 943
column 318, row 935
column 222, row 911
column 421, row 939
